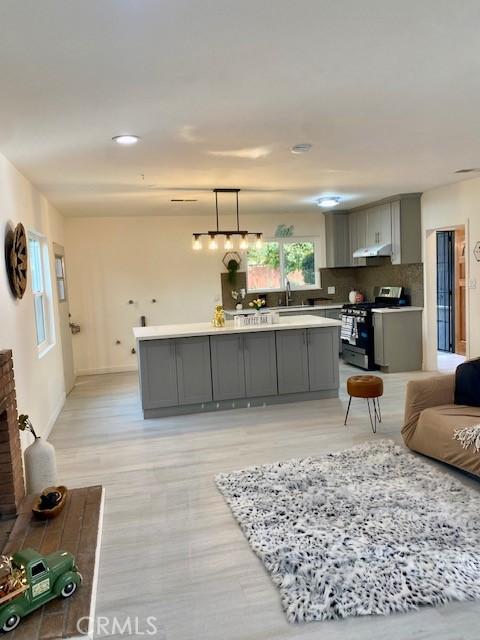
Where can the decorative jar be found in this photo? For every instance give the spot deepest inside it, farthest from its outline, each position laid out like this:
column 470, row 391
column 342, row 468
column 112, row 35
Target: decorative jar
column 40, row 466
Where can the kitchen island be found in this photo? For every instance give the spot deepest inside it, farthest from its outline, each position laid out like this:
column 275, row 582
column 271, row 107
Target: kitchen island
column 195, row 368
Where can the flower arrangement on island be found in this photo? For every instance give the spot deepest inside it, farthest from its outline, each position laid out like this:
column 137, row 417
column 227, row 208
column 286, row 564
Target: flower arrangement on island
column 257, row 304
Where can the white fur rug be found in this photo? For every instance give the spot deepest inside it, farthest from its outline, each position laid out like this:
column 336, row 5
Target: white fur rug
column 370, row 530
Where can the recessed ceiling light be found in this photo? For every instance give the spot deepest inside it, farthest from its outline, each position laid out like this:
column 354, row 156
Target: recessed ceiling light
column 303, row 147
column 327, row 202
column 126, row 139
column 474, row 170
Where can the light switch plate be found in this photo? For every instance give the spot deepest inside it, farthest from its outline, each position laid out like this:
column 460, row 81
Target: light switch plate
column 331, row 290
column 472, row 283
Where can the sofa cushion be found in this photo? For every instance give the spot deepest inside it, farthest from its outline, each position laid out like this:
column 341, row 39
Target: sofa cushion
column 433, row 435
column 467, row 383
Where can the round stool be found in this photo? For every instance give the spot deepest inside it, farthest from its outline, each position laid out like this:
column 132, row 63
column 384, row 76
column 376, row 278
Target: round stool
column 368, row 387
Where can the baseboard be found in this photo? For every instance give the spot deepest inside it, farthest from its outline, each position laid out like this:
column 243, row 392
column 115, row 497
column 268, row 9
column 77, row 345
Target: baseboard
column 54, row 416
column 99, row 370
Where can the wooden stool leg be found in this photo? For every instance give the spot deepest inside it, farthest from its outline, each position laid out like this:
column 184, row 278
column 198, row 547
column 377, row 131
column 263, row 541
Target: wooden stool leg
column 373, row 422
column 348, row 409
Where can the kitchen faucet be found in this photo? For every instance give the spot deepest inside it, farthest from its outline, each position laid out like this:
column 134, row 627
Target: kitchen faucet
column 288, row 292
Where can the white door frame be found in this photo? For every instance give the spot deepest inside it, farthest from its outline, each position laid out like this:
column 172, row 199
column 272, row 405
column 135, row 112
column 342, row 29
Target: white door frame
column 430, row 288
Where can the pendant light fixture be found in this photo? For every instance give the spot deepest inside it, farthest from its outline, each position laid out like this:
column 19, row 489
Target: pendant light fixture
column 228, row 233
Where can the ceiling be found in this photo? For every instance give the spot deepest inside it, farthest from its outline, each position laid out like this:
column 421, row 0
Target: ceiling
column 386, row 91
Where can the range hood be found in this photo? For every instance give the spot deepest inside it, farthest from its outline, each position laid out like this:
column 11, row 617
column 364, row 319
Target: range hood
column 373, row 251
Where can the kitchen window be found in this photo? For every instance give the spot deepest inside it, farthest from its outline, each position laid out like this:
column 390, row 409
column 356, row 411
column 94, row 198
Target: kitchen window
column 39, row 271
column 276, row 261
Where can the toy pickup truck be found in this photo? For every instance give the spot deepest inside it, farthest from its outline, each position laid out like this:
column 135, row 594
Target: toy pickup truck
column 28, row 580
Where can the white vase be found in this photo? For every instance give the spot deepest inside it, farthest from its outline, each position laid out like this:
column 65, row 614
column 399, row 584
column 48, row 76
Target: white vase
column 40, row 466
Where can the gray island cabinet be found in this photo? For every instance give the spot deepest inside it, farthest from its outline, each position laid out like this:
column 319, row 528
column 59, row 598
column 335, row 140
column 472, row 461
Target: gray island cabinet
column 197, row 368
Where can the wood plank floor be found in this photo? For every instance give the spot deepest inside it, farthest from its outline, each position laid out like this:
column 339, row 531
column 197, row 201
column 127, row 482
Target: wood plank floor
column 171, row 548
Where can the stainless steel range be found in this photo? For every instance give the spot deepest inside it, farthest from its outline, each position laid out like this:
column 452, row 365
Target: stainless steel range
column 357, row 326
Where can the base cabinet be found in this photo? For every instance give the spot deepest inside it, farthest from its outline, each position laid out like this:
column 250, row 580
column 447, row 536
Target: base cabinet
column 308, row 311
column 175, row 372
column 158, row 373
column 292, row 360
column 244, row 365
column 260, row 356
column 392, row 354
column 204, row 373
column 322, row 358
column 228, row 366
column 193, row 370
column 336, row 314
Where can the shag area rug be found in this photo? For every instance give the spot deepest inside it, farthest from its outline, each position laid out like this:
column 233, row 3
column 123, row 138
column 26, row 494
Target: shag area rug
column 369, row 530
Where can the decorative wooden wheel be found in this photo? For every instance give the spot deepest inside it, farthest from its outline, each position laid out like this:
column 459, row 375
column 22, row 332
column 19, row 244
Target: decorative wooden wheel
column 17, row 261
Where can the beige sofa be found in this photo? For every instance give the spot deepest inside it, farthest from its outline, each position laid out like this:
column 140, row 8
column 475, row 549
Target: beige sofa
column 431, row 417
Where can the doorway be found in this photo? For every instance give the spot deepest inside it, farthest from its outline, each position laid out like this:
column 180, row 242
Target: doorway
column 445, row 291
column 64, row 317
column 451, row 298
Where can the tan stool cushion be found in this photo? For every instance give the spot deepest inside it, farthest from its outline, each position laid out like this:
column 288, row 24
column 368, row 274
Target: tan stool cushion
column 365, row 386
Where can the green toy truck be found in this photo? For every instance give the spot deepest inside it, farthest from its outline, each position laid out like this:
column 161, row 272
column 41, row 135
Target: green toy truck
column 28, row 580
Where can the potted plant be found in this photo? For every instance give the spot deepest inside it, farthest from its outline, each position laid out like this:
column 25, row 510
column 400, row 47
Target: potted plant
column 232, row 268
column 257, row 304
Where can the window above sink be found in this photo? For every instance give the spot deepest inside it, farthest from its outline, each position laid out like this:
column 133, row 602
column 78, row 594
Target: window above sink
column 278, row 260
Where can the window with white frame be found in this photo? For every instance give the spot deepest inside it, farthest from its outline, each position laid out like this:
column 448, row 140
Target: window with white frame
column 39, row 270
column 279, row 260
column 60, row 278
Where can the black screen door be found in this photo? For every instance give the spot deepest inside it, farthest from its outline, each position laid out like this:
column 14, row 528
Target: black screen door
column 445, row 290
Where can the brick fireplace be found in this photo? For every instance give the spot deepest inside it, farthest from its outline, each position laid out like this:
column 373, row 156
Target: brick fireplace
column 12, row 488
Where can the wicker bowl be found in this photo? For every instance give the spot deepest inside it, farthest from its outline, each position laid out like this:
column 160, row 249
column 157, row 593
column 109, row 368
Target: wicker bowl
column 47, row 514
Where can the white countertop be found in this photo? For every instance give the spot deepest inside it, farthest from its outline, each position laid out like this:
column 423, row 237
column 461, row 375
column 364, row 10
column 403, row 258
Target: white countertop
column 398, row 310
column 285, row 309
column 161, row 332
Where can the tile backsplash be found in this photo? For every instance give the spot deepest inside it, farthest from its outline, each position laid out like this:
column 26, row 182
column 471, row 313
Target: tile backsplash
column 364, row 279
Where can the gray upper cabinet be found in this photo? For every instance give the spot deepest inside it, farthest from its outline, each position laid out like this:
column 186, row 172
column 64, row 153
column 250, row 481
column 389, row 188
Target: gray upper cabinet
column 292, row 361
column 158, row 373
column 379, row 224
column 337, row 238
column 260, row 364
column 193, row 370
column 322, row 358
column 358, row 237
column 396, row 222
column 228, row 367
column 406, row 230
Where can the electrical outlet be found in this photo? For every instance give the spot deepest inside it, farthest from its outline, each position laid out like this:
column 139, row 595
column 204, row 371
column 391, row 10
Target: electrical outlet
column 472, row 283
column 331, row 290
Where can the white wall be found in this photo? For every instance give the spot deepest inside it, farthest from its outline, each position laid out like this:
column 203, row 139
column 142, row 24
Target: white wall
column 112, row 260
column 447, row 207
column 39, row 382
